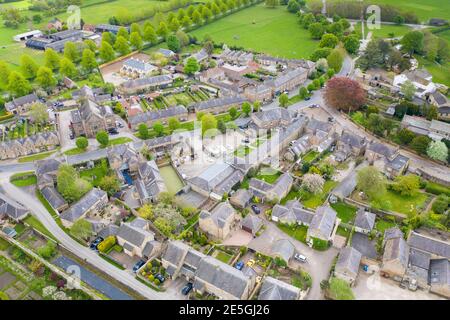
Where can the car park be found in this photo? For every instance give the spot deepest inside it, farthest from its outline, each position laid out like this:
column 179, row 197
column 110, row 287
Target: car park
column 256, row 209
column 187, row 288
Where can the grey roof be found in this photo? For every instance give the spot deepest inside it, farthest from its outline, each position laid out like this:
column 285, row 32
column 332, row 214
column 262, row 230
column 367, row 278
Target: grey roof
column 134, row 235
column 346, row 186
column 396, row 249
column 274, row 289
column 283, row 248
column 11, row 208
column 364, row 245
column 109, row 230
column 220, row 214
column 139, row 223
column 53, row 197
column 419, row 258
column 176, row 252
column 150, row 248
column 317, row 125
column 241, row 197
column 324, row 220
column 440, row 126
column 292, row 212
column 282, row 185
column 428, row 244
column 229, row 182
column 439, row 98
column 147, row 82
column 252, row 222
column 166, row 52
column 352, row 139
column 288, row 76
column 155, row 115
column 222, row 276
column 46, row 166
column 138, row 65
column 219, row 102
column 348, row 261
column 440, row 272
column 273, row 115
column 392, row 233
column 364, row 219
column 77, row 210
column 30, row 98
column 382, row 149
column 212, row 176
column 398, row 162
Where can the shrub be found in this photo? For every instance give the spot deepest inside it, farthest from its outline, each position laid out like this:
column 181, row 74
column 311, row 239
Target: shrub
column 437, row 189
column 106, row 244
column 440, row 205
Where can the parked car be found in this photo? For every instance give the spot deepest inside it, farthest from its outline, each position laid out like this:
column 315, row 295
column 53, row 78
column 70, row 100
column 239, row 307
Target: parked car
column 256, row 209
column 138, row 265
column 95, row 243
column 72, row 136
column 331, row 119
column 307, row 98
column 246, row 140
column 160, row 277
column 314, row 105
column 113, row 131
column 250, row 263
column 239, row 265
column 300, row 257
column 187, row 288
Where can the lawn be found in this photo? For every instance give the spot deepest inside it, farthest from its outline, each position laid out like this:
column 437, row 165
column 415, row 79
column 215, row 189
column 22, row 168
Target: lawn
column 296, row 232
column 310, row 156
column 404, row 204
column 345, row 212
column 316, row 200
column 95, row 174
column 271, row 31
column 223, row 256
column 440, row 73
column 381, row 225
column 30, row 180
column 242, row 151
column 340, row 290
column 74, row 151
column 385, row 30
column 121, row 140
column 38, row 156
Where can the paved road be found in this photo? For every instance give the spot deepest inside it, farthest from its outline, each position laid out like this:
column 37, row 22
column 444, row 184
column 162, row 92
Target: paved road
column 38, row 210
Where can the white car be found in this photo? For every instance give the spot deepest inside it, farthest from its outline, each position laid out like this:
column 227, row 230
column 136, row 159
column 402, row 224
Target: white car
column 300, row 257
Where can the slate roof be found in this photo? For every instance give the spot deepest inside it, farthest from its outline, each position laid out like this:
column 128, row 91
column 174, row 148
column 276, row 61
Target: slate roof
column 220, row 214
column 283, row 248
column 212, row 176
column 110, row 230
column 134, row 235
column 364, row 245
column 293, row 211
column 288, row 76
column 317, row 125
column 398, row 162
column 138, row 65
column 273, row 115
column 440, row 126
column 150, row 248
column 147, row 82
column 222, row 276
column 352, row 140
column 241, row 197
column 77, row 210
column 439, row 98
column 348, row 261
column 364, row 219
column 11, row 208
column 46, row 166
column 53, row 197
column 219, row 102
column 229, row 182
column 274, row 289
column 396, row 248
column 381, row 148
column 392, row 233
column 419, row 258
column 30, row 98
column 157, row 114
column 440, row 272
column 324, row 220
column 428, row 244
column 252, row 222
column 176, row 252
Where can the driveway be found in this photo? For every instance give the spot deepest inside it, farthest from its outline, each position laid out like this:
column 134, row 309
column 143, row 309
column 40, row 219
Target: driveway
column 238, row 238
column 64, row 119
column 319, row 262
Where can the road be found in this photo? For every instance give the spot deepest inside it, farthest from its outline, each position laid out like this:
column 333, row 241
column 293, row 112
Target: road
column 39, row 211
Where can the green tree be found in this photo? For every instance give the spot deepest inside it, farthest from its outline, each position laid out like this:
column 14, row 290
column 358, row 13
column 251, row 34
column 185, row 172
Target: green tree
column 408, row 90
column 221, row 126
column 150, row 34
column 88, row 60
column 186, row 22
column 328, row 40
column 371, row 181
column 173, row 123
column 407, row 185
column 110, row 184
column 136, row 40
column 413, row 42
column 135, row 28
column 432, row 112
column 351, row 44
column 81, row 229
column 271, row 3
column 158, row 128
column 48, row 250
column 437, row 150
column 293, row 6
column 191, row 66
column 67, row 68
column 108, row 37
column 3, row 296
column 143, row 131
column 4, row 73
column 174, row 25
column 18, row 85
column 405, row 136
column 82, row 143
column 71, row 52
column 28, row 67
column 316, row 29
column 121, row 46
column 283, row 100
column 209, row 122
column 233, row 112
column 256, row 106
column 303, row 93
column 123, row 32
column 162, row 30
column 69, row 184
column 91, row 45
column 106, row 52
column 246, row 108
column 335, row 60
column 182, row 37
column 39, row 113
column 52, row 59
column 420, row 144
column 102, row 138
column 45, row 78
column 173, row 43
column 197, row 18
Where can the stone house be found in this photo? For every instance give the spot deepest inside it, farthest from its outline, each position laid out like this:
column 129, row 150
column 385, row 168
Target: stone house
column 134, row 237
column 386, row 159
column 145, row 83
column 323, row 224
column 91, row 118
column 347, row 265
column 40, row 142
column 21, row 105
column 241, row 198
column 395, row 258
column 272, row 192
column 274, row 289
column 150, row 117
column 273, row 118
column 219, row 105
column 349, row 144
column 364, row 221
column 219, row 222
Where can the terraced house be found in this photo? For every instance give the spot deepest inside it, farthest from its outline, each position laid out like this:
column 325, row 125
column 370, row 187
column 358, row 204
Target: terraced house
column 21, row 105
column 40, row 142
column 150, row 117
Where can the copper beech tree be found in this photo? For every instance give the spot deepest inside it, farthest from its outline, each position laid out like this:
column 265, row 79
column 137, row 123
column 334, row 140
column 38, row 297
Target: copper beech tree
column 344, row 94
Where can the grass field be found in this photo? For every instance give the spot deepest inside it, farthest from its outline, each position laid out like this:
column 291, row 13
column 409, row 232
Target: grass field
column 441, row 73
column 344, row 211
column 385, row 30
column 272, row 31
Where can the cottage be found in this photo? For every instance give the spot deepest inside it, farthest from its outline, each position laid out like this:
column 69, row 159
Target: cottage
column 134, row 236
column 292, row 212
column 349, row 144
column 241, row 198
column 21, row 105
column 386, row 159
column 150, row 183
column 272, row 118
column 322, row 224
column 436, row 247
column 54, row 198
column 123, row 157
column 180, row 259
column 90, row 118
column 219, row 222
column 150, row 117
column 283, row 249
column 92, row 202
column 395, row 258
column 11, row 209
column 364, row 221
column 274, row 289
column 347, row 265
column 146, row 83
column 219, row 105
column 252, row 224
column 272, row 192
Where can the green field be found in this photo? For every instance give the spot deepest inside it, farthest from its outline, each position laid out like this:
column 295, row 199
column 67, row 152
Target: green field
column 441, row 73
column 272, row 31
column 385, row 30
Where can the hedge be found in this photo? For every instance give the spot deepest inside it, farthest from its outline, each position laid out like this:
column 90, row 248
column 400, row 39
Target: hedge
column 107, row 244
column 437, row 189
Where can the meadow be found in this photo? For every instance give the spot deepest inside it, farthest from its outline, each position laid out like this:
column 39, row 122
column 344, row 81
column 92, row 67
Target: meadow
column 271, row 31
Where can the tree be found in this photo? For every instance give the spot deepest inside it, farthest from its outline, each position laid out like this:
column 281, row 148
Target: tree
column 4, row 73
column 437, row 150
column 136, row 40
column 256, row 106
column 88, row 61
column 18, row 85
column 186, row 22
column 271, row 3
column 134, row 27
column 316, row 30
column 69, row 184
column 191, row 66
column 432, row 112
column 52, row 59
column 143, row 131
column 81, row 229
column 45, row 78
column 39, row 113
column 303, row 93
column 106, row 52
column 91, row 45
column 335, row 59
column 174, row 25
column 313, row 183
column 150, row 34
column 405, row 136
column 407, row 185
column 182, row 37
column 233, row 112
column 110, row 184
column 163, row 225
column 173, row 123
column 283, row 100
column 328, row 40
column 82, row 143
column 162, row 30
column 102, row 138
column 351, row 44
column 28, row 67
column 221, row 126
column 158, row 128
column 371, row 181
column 209, row 122
column 345, row 94
column 293, row 6
column 48, row 250
column 197, row 18
column 441, row 203
column 322, row 65
column 71, row 52
column 121, row 46
column 408, row 90
column 3, row 296
column 412, row 42
column 173, row 43
column 246, row 108
column 420, row 144
column 108, row 37
column 123, row 32
column 67, row 68
column 146, row 212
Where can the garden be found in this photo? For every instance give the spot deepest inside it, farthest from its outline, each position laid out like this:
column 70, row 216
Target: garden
column 149, row 271
column 24, row 128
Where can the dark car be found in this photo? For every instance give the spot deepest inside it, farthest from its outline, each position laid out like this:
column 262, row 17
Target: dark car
column 307, row 98
column 95, row 243
column 160, row 277
column 187, row 288
column 113, row 131
column 138, row 265
column 239, row 265
column 255, row 209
